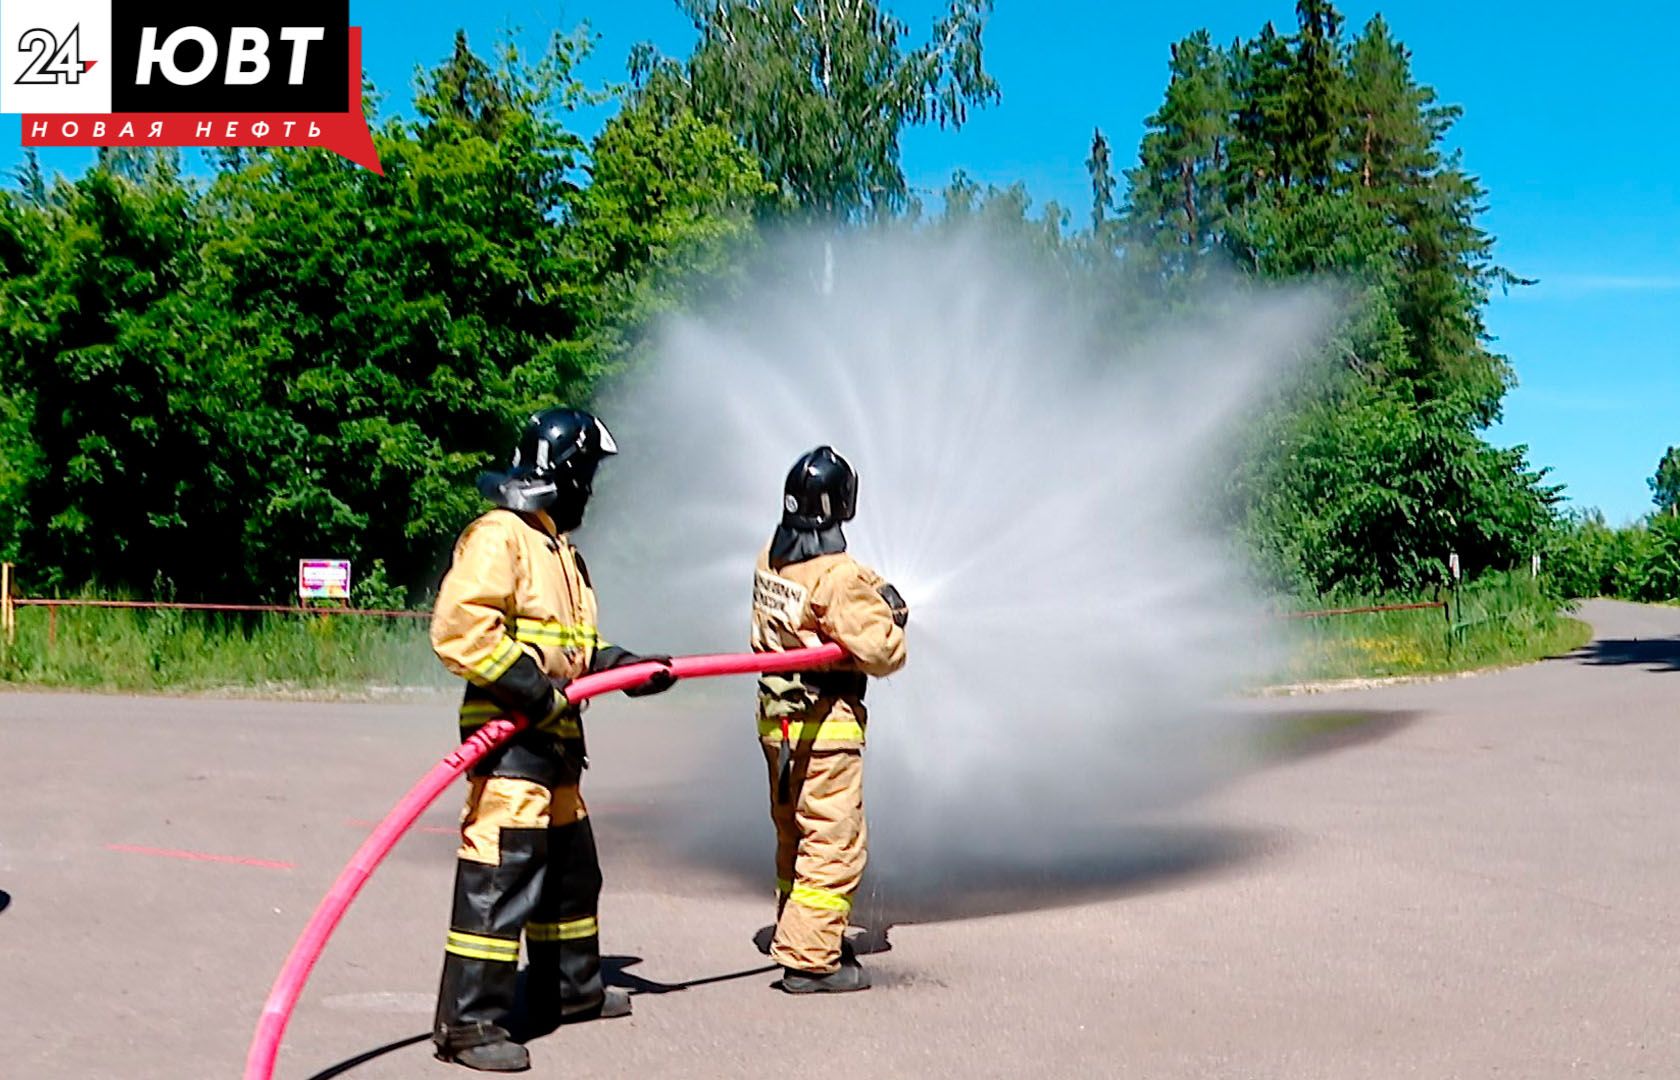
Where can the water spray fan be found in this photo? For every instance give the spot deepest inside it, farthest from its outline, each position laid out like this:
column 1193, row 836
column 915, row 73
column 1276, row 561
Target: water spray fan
column 288, row 985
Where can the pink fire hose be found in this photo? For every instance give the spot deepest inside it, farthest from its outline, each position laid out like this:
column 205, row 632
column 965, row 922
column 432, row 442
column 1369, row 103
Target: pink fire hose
column 288, row 985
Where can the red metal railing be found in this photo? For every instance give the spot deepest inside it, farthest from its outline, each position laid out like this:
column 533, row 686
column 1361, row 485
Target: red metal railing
column 172, row 605
column 53, row 606
column 1373, row 609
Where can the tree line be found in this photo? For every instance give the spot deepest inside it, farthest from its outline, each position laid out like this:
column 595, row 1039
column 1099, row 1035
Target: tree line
column 203, row 377
column 1638, row 561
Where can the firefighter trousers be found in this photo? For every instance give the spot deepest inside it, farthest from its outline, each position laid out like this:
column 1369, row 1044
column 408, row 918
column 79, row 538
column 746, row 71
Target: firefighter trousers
column 821, row 847
column 527, row 864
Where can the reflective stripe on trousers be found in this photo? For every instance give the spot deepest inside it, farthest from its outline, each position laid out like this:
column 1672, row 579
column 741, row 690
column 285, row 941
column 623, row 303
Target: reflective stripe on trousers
column 572, row 930
column 527, row 864
column 821, row 848
column 812, row 730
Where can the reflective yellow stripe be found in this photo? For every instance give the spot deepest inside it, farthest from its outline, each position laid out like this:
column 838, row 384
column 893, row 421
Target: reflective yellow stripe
column 476, row 713
column 565, row 727
column 494, row 666
column 822, row 899
column 812, row 730
column 551, row 632
column 478, row 947
column 783, row 886
column 481, row 954
column 575, row 930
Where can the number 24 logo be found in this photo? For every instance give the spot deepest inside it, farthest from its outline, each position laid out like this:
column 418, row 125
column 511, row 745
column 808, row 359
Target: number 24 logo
column 53, row 63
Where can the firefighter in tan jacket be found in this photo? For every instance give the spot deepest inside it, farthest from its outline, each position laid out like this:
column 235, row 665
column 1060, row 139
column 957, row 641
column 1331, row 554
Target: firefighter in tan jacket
column 515, row 617
column 808, row 591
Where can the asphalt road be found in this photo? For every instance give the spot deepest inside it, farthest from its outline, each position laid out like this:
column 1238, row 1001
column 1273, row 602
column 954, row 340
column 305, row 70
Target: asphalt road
column 1480, row 883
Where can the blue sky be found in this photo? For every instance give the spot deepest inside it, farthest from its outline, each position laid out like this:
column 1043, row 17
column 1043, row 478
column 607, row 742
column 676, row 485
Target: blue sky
column 1569, row 121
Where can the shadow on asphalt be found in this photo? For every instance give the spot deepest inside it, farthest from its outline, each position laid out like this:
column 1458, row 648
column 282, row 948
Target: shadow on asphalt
column 369, row 1055
column 1287, row 735
column 1084, row 858
column 1095, row 861
column 1653, row 654
column 1088, row 862
column 5, row 899
column 1086, row 866
column 615, row 970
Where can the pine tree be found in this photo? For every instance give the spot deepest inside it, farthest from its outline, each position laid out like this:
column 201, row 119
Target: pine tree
column 1665, row 484
column 1178, row 187
column 1315, row 94
column 465, row 89
column 1330, row 162
column 1101, row 168
column 1258, row 72
column 1394, row 123
column 1393, row 130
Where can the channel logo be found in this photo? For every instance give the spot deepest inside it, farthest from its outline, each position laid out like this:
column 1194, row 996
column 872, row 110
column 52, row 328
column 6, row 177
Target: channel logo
column 130, row 73
column 53, row 64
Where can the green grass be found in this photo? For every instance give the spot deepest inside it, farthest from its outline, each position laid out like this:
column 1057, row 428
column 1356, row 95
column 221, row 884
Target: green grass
column 1501, row 620
column 151, row 651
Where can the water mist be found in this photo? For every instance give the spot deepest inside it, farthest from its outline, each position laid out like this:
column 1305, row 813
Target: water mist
column 1075, row 627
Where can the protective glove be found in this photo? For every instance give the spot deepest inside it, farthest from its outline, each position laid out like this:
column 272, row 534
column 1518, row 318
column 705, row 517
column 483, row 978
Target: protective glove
column 895, row 601
column 525, row 689
column 614, row 656
column 544, row 717
column 559, row 702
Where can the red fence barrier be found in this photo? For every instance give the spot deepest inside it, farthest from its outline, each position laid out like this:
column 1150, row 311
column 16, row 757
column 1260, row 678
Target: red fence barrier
column 390, row 613
column 171, row 605
column 9, row 605
column 1373, row 609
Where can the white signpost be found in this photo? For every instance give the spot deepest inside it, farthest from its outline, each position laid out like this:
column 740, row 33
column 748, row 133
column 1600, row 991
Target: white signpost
column 323, row 579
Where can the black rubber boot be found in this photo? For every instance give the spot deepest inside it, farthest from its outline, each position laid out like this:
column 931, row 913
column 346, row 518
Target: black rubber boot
column 614, row 1003
column 843, row 980
column 497, row 1055
column 481, row 960
column 544, row 1017
column 563, row 981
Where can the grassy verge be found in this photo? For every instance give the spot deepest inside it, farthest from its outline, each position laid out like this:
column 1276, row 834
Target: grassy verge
column 1500, row 620
column 151, row 651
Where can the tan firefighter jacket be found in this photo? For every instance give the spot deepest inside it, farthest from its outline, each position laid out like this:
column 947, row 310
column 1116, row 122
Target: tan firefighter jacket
column 515, row 611
column 828, row 598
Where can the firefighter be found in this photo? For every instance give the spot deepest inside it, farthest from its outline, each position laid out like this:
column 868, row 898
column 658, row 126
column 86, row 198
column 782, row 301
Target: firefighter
column 515, row 617
column 808, row 591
